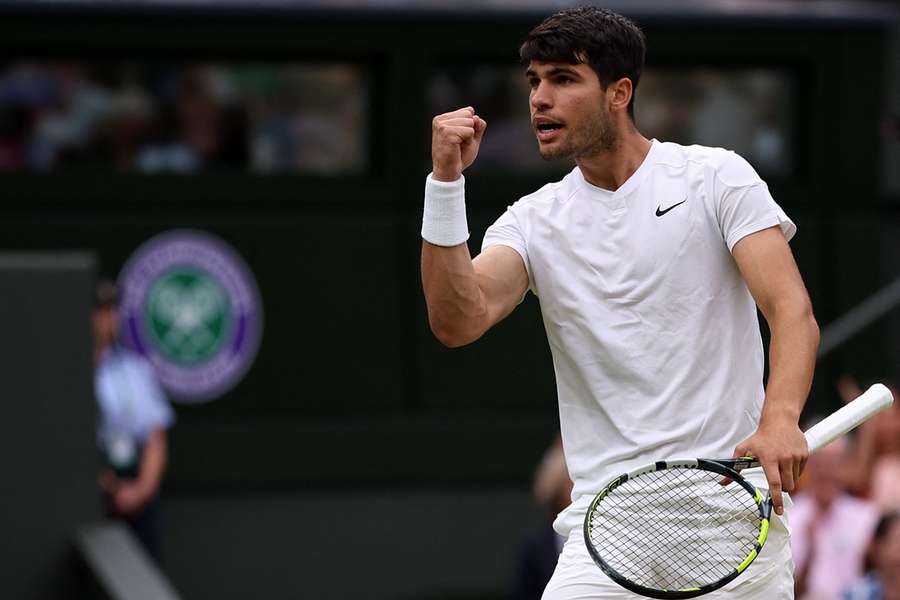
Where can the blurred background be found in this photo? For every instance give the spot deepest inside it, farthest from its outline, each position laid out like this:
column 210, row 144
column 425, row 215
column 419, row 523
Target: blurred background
column 247, row 176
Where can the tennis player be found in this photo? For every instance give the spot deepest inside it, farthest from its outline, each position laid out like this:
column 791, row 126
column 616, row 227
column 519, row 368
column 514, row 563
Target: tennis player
column 649, row 260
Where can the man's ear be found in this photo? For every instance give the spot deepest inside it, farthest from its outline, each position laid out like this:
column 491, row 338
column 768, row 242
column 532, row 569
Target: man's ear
column 618, row 94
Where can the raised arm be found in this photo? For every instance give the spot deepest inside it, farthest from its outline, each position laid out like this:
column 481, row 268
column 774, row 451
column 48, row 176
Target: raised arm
column 767, row 265
column 465, row 297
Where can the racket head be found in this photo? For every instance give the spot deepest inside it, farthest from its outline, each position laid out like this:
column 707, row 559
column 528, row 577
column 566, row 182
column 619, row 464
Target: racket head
column 704, row 551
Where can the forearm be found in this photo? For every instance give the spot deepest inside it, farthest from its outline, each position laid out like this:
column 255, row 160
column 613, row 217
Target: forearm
column 768, row 267
column 153, row 464
column 792, row 359
column 456, row 306
column 457, row 310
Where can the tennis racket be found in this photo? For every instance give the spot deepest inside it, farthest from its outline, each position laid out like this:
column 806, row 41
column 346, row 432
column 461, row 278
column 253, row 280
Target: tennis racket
column 671, row 529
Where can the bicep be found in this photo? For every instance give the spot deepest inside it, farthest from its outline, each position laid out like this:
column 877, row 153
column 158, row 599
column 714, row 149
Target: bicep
column 767, row 265
column 502, row 279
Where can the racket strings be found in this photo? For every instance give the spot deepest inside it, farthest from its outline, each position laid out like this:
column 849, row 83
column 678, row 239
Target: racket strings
column 676, row 528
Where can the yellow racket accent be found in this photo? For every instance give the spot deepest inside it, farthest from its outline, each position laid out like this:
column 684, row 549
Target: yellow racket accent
column 763, row 534
column 747, row 561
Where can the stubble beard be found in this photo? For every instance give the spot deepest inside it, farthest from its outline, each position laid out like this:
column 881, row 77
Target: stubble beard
column 597, row 135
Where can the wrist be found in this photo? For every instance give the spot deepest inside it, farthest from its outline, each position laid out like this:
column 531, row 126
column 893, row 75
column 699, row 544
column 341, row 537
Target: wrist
column 445, row 175
column 444, row 215
column 145, row 487
column 779, row 416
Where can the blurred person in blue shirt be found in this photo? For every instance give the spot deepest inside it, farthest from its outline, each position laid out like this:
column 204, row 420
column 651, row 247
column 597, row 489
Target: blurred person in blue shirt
column 131, row 433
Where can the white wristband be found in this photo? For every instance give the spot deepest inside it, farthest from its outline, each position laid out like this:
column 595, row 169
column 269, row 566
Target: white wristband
column 444, row 218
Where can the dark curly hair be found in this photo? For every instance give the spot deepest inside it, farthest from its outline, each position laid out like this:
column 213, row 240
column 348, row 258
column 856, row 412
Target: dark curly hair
column 612, row 45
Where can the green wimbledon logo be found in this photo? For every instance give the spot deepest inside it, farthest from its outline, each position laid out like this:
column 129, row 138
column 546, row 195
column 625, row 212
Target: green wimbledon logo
column 188, row 316
column 191, row 306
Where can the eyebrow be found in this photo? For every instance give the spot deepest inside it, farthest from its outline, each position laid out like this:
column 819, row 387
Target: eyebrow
column 553, row 71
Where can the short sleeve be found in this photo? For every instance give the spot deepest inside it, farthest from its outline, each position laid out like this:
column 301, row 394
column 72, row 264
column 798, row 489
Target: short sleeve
column 744, row 204
column 506, row 231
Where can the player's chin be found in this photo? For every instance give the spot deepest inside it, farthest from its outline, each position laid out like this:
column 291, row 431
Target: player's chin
column 551, row 151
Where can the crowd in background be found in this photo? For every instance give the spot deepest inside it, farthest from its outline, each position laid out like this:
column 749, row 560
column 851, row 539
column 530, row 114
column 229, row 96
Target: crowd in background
column 845, row 524
column 149, row 118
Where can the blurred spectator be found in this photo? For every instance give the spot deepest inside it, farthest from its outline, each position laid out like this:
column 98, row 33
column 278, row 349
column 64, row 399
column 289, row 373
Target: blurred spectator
column 131, row 433
column 183, row 118
column 830, row 528
column 882, row 582
column 540, row 552
column 207, row 129
column 875, row 461
column 127, row 126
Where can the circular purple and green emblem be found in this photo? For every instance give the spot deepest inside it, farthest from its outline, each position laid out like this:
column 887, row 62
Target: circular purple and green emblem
column 191, row 306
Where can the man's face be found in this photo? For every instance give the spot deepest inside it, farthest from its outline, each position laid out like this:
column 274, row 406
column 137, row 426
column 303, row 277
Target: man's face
column 569, row 112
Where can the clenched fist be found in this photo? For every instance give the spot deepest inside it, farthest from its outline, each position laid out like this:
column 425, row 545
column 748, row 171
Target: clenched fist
column 455, row 138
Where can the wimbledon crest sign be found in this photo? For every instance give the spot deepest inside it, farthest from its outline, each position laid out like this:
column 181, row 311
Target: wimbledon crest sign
column 190, row 305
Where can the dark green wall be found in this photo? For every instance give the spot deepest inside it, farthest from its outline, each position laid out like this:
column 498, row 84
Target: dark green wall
column 47, row 435
column 377, row 544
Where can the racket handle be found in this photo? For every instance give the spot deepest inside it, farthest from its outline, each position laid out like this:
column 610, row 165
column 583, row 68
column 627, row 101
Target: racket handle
column 873, row 401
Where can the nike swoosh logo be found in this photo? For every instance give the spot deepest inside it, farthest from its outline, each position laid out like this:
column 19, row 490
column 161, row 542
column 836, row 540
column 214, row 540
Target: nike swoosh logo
column 660, row 213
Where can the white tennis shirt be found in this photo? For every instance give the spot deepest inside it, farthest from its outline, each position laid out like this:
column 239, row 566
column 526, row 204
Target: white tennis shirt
column 654, row 335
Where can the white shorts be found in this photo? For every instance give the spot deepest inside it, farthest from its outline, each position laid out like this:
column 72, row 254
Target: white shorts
column 769, row 577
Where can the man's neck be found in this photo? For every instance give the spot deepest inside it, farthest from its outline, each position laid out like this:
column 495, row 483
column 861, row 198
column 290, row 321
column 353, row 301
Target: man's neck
column 610, row 169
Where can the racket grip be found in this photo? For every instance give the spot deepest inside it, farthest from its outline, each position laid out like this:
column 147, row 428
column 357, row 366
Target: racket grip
column 873, row 401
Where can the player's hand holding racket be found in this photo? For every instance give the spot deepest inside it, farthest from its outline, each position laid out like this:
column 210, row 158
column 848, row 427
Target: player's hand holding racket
column 671, row 529
column 780, row 448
